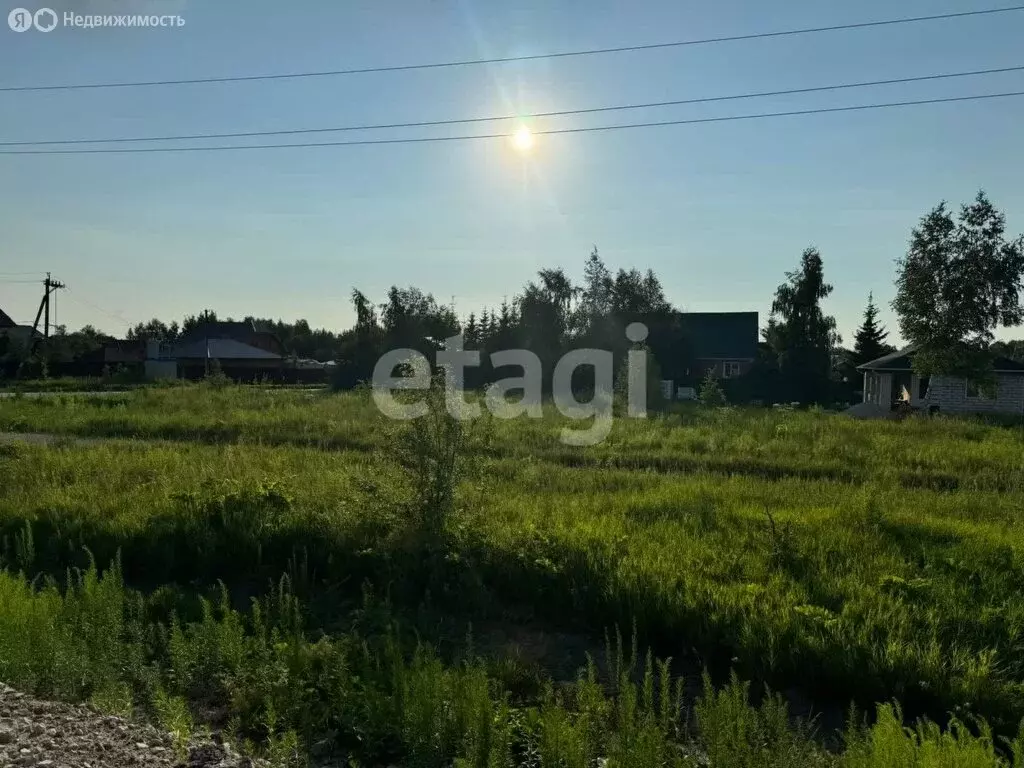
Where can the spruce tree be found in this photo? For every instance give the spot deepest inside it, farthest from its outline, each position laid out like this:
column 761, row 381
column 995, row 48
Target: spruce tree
column 711, row 394
column 486, row 329
column 471, row 332
column 869, row 340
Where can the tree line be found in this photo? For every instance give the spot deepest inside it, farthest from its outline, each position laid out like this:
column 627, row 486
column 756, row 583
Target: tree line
column 959, row 281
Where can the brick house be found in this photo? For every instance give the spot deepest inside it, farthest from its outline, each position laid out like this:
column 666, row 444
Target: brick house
column 891, row 380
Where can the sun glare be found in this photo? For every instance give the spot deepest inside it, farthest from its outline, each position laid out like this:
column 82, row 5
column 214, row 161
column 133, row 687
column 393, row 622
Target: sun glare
column 523, row 139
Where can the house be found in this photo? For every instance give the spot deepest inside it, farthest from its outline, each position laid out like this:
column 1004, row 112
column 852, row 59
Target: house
column 236, row 359
column 243, row 332
column 240, row 350
column 124, row 352
column 693, row 343
column 722, row 342
column 19, row 334
column 891, row 380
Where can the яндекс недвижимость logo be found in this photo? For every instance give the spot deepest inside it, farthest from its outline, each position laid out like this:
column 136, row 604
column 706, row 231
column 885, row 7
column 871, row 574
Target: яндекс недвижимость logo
column 22, row 19
column 46, row 20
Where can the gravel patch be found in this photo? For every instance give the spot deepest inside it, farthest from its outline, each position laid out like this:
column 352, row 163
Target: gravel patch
column 43, row 734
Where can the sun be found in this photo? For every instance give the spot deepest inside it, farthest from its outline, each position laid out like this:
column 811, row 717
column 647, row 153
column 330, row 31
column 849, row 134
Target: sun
column 523, row 139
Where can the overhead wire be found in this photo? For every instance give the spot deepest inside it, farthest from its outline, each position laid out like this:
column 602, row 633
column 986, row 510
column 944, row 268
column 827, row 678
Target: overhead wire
column 511, row 59
column 525, row 116
column 547, row 132
column 87, row 303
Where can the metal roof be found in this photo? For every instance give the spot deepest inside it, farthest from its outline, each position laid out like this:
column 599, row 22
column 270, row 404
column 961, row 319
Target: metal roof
column 722, row 335
column 904, row 361
column 895, row 361
column 221, row 349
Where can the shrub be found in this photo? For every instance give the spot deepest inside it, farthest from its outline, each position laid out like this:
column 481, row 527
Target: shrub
column 33, row 367
column 655, row 397
column 437, row 451
column 711, row 394
column 215, row 375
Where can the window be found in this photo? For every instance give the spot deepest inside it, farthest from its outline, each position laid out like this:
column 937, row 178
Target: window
column 974, row 391
column 730, row 369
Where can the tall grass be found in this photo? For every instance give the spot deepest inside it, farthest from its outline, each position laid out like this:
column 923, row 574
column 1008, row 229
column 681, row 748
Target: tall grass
column 865, row 561
column 369, row 701
column 862, row 593
column 940, row 453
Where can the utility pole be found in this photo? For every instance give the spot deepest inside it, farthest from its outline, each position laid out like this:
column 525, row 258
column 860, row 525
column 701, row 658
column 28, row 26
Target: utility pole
column 50, row 286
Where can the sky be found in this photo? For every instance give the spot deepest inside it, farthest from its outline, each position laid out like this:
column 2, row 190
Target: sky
column 720, row 211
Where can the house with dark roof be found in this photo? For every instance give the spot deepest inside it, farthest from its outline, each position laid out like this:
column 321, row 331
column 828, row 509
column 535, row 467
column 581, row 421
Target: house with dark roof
column 891, row 380
column 241, row 350
column 722, row 342
column 23, row 334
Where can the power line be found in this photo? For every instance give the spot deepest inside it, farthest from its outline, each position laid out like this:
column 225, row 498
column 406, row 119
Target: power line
column 510, row 59
column 550, row 132
column 534, row 115
column 89, row 304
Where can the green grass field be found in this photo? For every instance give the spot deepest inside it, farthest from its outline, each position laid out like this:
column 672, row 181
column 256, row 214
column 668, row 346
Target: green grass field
column 837, row 561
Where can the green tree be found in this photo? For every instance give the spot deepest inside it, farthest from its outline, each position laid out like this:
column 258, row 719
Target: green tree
column 869, row 340
column 154, row 329
column 64, row 347
column 635, row 293
column 472, row 332
column 359, row 348
column 596, row 296
column 412, row 319
column 1014, row 350
column 545, row 317
column 959, row 281
column 193, row 322
column 505, row 335
column 801, row 334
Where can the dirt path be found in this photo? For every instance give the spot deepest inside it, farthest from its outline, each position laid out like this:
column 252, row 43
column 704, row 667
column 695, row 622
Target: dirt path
column 47, row 438
column 55, row 393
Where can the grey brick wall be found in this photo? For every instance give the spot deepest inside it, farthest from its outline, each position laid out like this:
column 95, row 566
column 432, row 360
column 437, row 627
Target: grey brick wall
column 949, row 393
